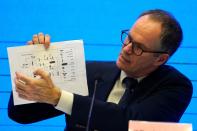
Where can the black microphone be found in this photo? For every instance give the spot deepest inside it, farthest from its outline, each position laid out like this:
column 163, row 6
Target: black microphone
column 97, row 78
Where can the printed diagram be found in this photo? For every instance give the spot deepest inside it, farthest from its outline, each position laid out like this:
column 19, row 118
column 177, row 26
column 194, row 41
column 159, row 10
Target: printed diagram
column 64, row 60
column 59, row 62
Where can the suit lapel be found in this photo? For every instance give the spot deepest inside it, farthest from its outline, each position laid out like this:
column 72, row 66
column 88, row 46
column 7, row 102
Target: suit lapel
column 148, row 85
column 106, row 83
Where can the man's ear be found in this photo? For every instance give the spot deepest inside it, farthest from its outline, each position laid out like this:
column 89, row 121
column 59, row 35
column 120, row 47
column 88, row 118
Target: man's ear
column 161, row 59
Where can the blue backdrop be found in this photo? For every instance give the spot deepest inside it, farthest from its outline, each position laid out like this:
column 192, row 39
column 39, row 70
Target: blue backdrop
column 98, row 23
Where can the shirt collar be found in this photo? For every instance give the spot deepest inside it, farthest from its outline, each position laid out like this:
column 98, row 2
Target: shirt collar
column 124, row 75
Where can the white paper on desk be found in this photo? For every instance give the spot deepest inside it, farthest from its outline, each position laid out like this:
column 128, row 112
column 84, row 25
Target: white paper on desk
column 158, row 126
column 64, row 60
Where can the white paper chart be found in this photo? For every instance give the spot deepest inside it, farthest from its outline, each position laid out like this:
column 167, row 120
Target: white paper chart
column 59, row 62
column 64, row 60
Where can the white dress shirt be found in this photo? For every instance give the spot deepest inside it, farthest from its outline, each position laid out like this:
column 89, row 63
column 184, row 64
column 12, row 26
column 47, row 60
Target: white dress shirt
column 65, row 103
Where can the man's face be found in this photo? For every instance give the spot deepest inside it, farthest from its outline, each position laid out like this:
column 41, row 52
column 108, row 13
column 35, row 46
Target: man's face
column 146, row 33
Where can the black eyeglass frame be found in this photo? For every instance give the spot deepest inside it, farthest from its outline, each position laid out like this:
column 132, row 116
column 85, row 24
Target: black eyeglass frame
column 136, row 46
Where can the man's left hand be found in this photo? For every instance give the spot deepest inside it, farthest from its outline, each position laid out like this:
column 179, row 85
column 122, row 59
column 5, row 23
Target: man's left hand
column 40, row 90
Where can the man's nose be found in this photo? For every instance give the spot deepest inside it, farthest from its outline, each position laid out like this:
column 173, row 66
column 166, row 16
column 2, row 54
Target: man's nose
column 127, row 48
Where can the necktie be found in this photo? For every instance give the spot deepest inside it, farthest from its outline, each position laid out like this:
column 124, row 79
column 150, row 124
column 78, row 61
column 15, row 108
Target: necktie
column 130, row 84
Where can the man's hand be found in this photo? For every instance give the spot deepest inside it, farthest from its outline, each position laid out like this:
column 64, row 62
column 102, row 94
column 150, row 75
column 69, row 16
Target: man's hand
column 40, row 90
column 40, row 38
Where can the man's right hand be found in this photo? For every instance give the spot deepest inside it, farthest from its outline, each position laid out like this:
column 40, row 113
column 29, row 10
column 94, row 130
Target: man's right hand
column 40, row 38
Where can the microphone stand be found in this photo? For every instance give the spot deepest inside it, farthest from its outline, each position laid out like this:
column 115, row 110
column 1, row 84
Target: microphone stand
column 91, row 105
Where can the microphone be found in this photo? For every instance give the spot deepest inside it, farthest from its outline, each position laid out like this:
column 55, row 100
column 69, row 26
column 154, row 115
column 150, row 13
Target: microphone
column 97, row 78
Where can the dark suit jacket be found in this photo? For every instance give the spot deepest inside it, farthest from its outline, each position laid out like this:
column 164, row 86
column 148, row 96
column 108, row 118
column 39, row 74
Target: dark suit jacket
column 162, row 96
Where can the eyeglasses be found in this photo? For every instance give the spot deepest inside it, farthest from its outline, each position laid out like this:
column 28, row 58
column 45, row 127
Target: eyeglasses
column 135, row 46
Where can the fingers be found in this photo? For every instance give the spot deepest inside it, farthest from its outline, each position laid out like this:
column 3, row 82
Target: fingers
column 35, row 39
column 21, row 88
column 47, row 41
column 45, row 75
column 40, row 38
column 25, row 88
column 22, row 78
column 24, row 97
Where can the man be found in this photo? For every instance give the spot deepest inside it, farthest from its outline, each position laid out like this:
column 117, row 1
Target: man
column 160, row 92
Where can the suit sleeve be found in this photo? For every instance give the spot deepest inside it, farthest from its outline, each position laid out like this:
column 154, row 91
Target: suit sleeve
column 29, row 113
